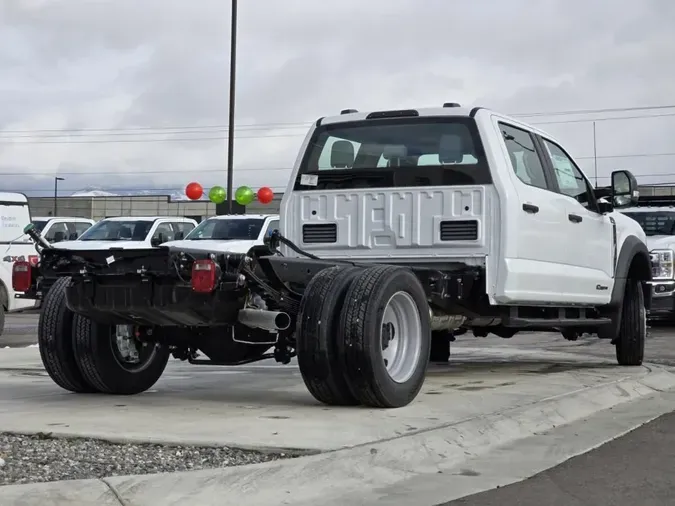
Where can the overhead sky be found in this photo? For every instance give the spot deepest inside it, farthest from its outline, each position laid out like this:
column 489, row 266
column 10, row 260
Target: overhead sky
column 155, row 72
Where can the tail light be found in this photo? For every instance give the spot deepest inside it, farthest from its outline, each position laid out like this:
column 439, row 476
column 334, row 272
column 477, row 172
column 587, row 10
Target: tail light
column 204, row 276
column 22, row 276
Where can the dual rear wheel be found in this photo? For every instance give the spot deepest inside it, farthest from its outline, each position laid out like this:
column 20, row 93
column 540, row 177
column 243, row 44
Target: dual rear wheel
column 83, row 356
column 363, row 336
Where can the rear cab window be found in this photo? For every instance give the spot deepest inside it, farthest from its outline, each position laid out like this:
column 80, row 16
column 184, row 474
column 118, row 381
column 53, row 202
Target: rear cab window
column 402, row 152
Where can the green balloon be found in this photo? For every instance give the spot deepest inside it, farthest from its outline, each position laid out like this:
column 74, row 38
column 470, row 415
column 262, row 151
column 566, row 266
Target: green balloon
column 244, row 195
column 217, row 194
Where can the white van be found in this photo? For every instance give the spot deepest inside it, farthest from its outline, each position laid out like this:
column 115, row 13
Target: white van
column 14, row 245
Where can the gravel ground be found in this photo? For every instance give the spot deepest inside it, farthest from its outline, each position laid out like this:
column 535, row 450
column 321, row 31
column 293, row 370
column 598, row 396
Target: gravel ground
column 41, row 458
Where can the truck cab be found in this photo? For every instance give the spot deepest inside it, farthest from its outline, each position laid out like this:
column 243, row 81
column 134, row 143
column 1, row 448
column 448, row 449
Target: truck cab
column 450, row 185
column 57, row 229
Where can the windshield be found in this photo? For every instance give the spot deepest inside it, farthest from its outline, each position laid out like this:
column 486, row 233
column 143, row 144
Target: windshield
column 655, row 223
column 40, row 224
column 117, row 230
column 223, row 229
column 417, row 151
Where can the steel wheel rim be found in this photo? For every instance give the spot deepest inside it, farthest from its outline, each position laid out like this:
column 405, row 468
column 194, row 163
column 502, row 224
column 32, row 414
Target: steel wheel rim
column 401, row 337
column 146, row 351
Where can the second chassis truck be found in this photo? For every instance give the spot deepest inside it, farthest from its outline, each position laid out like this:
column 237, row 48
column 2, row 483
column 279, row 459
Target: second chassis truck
column 395, row 225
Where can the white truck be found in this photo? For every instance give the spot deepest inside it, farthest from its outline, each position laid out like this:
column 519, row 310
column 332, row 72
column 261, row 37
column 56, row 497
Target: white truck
column 396, row 226
column 61, row 228
column 15, row 246
column 656, row 216
column 236, row 233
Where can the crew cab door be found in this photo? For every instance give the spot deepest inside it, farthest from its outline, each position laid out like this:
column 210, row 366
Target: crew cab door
column 534, row 248
column 590, row 250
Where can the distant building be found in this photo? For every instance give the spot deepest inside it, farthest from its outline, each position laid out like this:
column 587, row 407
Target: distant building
column 99, row 207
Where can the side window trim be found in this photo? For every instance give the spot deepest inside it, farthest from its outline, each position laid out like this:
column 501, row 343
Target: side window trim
column 592, row 200
column 551, row 182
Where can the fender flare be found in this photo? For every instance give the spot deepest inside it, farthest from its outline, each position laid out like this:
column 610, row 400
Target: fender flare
column 634, row 255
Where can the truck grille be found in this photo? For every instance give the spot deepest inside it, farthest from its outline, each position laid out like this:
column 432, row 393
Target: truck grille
column 465, row 230
column 319, row 233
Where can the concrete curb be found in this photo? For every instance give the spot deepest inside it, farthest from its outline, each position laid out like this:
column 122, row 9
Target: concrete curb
column 331, row 476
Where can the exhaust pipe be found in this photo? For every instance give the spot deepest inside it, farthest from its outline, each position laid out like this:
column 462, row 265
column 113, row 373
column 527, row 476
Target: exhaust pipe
column 272, row 321
column 445, row 322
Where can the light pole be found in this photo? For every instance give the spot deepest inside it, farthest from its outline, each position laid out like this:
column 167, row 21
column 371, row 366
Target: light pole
column 230, row 128
column 595, row 156
column 56, row 193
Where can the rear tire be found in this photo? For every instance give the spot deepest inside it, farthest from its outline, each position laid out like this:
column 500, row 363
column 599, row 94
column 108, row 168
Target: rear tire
column 630, row 343
column 55, row 341
column 101, row 364
column 317, row 334
column 386, row 336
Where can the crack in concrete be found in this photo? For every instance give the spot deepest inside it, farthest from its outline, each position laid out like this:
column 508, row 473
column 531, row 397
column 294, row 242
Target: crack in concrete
column 114, row 492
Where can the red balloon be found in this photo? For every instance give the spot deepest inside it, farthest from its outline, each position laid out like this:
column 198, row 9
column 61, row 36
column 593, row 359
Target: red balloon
column 194, row 191
column 265, row 195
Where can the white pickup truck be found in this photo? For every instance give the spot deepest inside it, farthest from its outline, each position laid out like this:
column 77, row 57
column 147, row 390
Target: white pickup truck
column 131, row 232
column 236, row 233
column 61, row 228
column 397, row 228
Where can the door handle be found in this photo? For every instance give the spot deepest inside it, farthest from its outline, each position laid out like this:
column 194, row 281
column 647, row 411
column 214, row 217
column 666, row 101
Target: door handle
column 530, row 208
column 574, row 218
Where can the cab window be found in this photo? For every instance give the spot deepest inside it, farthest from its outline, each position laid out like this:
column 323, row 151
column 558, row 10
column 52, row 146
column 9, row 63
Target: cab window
column 571, row 180
column 163, row 231
column 57, row 232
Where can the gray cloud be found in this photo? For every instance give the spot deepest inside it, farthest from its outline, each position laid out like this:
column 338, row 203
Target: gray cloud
column 164, row 63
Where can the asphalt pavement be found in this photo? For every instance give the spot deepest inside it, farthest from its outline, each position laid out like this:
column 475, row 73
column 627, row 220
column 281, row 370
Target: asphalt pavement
column 635, row 469
column 20, row 330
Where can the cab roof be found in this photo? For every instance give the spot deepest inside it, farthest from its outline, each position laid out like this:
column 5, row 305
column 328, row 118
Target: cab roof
column 148, row 218
column 449, row 109
column 244, row 216
column 69, row 218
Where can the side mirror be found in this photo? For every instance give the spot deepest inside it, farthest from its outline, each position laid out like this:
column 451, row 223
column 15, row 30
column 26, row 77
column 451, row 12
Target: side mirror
column 624, row 189
column 156, row 241
column 179, row 236
column 59, row 236
column 72, row 236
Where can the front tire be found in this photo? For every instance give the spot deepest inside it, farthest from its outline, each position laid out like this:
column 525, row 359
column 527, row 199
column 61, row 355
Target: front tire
column 55, row 341
column 102, row 364
column 630, row 343
column 386, row 336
